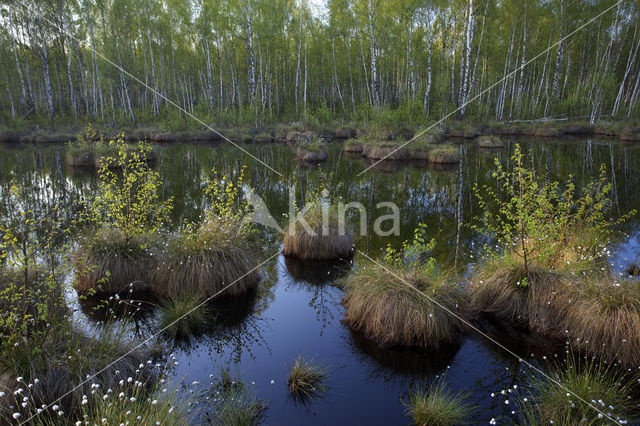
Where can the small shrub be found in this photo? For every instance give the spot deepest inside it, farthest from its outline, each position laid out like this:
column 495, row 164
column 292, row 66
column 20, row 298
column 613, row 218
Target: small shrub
column 306, row 380
column 438, row 406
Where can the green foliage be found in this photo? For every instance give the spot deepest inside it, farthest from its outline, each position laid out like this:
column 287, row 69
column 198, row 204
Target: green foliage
column 29, row 294
column 227, row 201
column 540, row 221
column 183, row 317
column 413, row 254
column 129, row 192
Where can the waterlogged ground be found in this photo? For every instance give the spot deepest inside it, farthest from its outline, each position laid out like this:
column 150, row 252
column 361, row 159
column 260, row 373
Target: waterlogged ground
column 297, row 311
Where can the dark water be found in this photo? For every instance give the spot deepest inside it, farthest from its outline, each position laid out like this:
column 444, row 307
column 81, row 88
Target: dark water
column 297, row 311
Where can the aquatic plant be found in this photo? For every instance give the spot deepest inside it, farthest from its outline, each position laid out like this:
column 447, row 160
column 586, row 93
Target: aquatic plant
column 407, row 300
column 572, row 392
column 438, row 406
column 306, row 380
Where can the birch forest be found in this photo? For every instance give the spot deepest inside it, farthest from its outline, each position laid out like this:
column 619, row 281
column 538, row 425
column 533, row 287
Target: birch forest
column 132, row 61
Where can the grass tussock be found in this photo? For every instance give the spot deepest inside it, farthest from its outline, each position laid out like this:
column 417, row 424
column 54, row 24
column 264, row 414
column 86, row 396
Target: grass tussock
column 570, row 397
column 502, row 289
column 312, row 152
column 390, row 312
column 306, row 380
column 324, row 240
column 490, row 142
column 353, row 145
column 183, row 317
column 387, row 150
column 112, row 263
column 235, row 404
column 604, row 320
column 438, row 407
column 204, row 261
column 445, row 154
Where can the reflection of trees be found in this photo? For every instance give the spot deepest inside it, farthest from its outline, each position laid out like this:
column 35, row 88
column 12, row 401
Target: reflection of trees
column 315, row 277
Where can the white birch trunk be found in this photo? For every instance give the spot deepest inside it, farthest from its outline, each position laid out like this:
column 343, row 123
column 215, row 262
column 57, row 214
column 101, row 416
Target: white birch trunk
column 375, row 84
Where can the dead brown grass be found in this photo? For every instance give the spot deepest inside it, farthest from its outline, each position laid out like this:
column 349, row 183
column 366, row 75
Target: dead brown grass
column 388, row 311
column 111, row 263
column 604, row 320
column 204, row 262
column 321, row 244
column 535, row 302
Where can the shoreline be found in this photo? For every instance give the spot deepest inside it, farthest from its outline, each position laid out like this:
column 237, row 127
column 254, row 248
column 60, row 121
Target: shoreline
column 291, row 133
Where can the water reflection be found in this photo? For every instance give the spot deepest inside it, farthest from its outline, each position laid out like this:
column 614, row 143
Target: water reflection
column 385, row 364
column 296, row 310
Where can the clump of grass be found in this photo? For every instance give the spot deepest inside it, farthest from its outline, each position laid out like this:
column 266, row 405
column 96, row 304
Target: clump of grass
column 235, row 404
column 604, row 320
column 569, row 397
column 306, row 380
column 490, row 142
column 532, row 299
column 384, row 149
column 203, row 260
column 113, row 262
column 182, row 317
column 312, row 151
column 405, row 300
column 324, row 240
column 445, row 154
column 438, row 406
column 389, row 310
column 353, row 145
